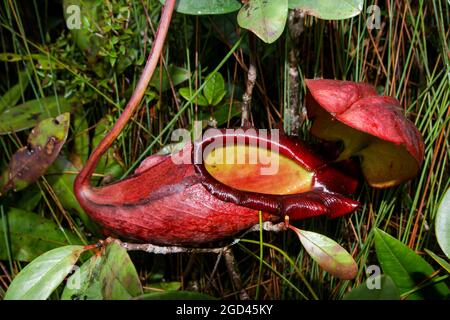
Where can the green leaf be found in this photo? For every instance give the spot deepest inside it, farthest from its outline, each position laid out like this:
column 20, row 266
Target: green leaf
column 30, row 113
column 329, row 9
column 175, row 295
column 444, row 264
column 111, row 276
column 186, row 93
column 214, row 90
column 161, row 81
column 406, row 268
column 265, row 18
column 44, row 144
column 85, row 284
column 44, row 274
column 30, row 235
column 42, row 61
column 12, row 96
column 442, row 224
column 118, row 275
column 387, row 291
column 203, row 7
column 329, row 255
column 10, row 57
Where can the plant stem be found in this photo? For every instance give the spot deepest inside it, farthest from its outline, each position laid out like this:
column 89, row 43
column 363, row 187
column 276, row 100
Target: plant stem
column 83, row 177
column 251, row 79
column 235, row 275
column 293, row 114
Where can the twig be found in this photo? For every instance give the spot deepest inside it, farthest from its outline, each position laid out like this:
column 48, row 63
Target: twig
column 267, row 226
column 251, row 79
column 293, row 114
column 235, row 275
column 152, row 248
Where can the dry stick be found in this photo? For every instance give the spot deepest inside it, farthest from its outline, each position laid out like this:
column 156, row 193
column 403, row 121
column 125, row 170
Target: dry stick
column 251, row 79
column 235, row 275
column 294, row 113
column 151, row 248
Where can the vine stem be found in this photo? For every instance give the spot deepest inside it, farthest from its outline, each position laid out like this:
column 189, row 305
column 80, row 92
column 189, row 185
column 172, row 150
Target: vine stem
column 294, row 114
column 83, row 178
column 251, row 80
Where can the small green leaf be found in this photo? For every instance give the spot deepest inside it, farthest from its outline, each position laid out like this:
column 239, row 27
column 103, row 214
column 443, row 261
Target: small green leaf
column 118, row 275
column 203, row 7
column 443, row 224
column 10, row 57
column 406, row 268
column 214, row 90
column 329, row 255
column 444, row 264
column 265, row 18
column 186, row 93
column 30, row 113
column 329, row 9
column 12, row 96
column 85, row 284
column 30, row 235
column 386, row 291
column 161, row 81
column 44, row 274
column 42, row 61
column 45, row 62
column 175, row 295
column 44, row 144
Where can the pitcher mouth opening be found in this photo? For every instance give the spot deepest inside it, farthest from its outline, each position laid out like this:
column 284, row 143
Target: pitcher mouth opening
column 257, row 169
